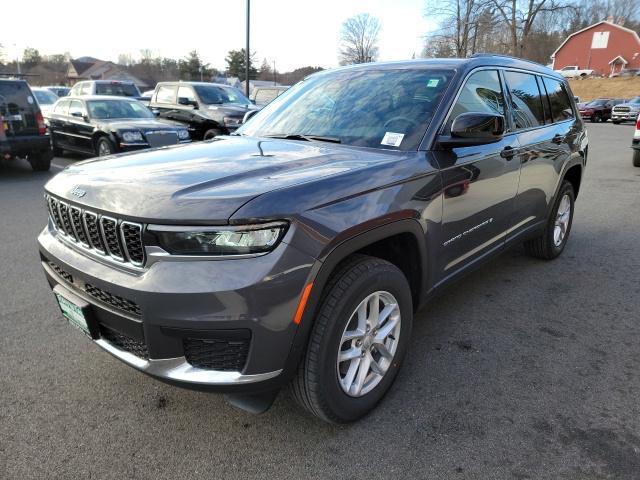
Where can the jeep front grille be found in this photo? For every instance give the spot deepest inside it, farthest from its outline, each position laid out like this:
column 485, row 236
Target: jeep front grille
column 113, row 237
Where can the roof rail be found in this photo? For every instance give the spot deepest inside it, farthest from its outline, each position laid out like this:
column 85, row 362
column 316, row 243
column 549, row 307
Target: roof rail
column 501, row 55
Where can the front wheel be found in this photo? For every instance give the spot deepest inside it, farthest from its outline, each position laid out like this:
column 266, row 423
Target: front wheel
column 211, row 133
column 553, row 239
column 616, row 122
column 104, row 147
column 596, row 118
column 358, row 341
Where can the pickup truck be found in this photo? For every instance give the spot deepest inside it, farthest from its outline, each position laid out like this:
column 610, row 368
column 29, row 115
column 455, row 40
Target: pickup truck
column 573, row 71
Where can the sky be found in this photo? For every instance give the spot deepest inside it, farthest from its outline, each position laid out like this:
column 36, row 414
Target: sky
column 293, row 33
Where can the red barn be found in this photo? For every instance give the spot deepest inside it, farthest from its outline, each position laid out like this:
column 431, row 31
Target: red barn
column 603, row 47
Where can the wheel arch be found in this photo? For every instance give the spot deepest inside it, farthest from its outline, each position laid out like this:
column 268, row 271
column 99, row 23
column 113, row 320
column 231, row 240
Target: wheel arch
column 406, row 231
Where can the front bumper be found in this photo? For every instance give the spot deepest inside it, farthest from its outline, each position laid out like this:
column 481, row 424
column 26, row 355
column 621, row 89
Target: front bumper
column 178, row 302
column 624, row 116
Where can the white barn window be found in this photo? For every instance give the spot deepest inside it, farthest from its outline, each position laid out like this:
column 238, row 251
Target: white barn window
column 600, row 40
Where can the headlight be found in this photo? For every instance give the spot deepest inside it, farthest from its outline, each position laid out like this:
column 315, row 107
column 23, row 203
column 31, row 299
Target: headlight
column 132, row 137
column 231, row 240
column 183, row 134
column 232, row 121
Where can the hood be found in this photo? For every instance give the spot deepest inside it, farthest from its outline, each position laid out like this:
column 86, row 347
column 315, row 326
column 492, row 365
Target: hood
column 204, row 182
column 138, row 124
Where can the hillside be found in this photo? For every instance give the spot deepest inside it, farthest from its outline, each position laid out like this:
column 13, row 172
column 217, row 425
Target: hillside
column 590, row 88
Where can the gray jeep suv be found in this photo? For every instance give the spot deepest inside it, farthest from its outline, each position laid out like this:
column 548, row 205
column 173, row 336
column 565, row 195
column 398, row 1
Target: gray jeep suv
column 296, row 251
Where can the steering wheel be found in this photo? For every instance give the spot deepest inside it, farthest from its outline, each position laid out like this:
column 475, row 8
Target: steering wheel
column 400, row 118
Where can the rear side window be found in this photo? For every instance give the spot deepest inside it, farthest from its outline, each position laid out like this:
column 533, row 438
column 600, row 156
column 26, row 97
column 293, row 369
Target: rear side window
column 481, row 93
column 166, row 94
column 62, row 107
column 526, row 100
column 558, row 100
column 117, row 89
column 17, row 105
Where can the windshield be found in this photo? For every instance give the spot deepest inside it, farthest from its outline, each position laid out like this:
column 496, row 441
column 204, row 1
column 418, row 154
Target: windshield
column 105, row 109
column 214, row 95
column 634, row 100
column 370, row 108
column 596, row 103
column 117, row 89
column 45, row 97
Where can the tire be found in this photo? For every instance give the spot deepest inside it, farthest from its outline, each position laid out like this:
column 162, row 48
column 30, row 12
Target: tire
column 636, row 158
column 211, row 133
column 546, row 245
column 40, row 161
column 596, row 118
column 104, row 147
column 616, row 122
column 318, row 385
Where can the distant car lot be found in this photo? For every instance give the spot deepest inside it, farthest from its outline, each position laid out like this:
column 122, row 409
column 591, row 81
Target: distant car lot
column 494, row 385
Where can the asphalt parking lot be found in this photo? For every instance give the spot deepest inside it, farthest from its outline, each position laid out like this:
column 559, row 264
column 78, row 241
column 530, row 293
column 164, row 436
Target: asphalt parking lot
column 523, row 370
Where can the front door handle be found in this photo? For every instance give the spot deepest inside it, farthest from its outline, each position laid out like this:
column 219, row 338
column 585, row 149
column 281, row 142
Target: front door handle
column 507, row 153
column 558, row 139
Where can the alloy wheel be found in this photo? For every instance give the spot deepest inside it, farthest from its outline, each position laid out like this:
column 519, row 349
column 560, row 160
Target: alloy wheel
column 563, row 216
column 368, row 343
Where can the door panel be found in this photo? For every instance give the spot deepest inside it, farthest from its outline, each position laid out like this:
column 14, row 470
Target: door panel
column 479, row 182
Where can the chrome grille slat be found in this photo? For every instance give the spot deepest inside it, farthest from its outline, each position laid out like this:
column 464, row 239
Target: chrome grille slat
column 118, row 239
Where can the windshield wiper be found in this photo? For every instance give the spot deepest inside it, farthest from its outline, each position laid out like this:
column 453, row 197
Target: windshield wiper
column 308, row 138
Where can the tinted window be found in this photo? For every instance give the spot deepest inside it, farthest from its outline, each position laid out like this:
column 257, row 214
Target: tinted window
column 166, row 94
column 186, row 92
column 212, row 95
column 77, row 107
column 481, row 93
column 118, row 89
column 558, row 99
column 17, row 107
column 385, row 108
column 61, row 107
column 526, row 100
column 104, row 109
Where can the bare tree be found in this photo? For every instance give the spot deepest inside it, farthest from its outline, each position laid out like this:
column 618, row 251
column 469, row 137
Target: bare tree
column 359, row 38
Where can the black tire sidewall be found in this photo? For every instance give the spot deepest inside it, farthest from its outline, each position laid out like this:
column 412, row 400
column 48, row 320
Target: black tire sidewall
column 349, row 408
column 213, row 132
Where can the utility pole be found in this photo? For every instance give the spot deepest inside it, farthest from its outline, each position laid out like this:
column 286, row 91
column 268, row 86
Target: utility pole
column 247, row 57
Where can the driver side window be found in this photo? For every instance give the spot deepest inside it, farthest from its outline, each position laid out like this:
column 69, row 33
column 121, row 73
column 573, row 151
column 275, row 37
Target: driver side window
column 482, row 93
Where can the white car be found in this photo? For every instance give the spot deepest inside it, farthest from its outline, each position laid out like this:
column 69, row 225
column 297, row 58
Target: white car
column 573, row 71
column 45, row 98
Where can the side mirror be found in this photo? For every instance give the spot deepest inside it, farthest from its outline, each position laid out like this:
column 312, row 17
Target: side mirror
column 187, row 102
column 248, row 115
column 474, row 128
column 76, row 114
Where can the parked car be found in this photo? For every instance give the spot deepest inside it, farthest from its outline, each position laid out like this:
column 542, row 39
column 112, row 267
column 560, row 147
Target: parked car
column 103, row 125
column 627, row 111
column 146, row 96
column 599, row 110
column 627, row 72
column 23, row 132
column 115, row 88
column 45, row 98
column 296, row 251
column 261, row 96
column 635, row 144
column 572, row 71
column 59, row 91
column 208, row 109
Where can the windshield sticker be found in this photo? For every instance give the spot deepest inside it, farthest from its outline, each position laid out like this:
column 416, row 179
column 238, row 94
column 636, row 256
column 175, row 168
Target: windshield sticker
column 392, row 139
column 433, row 83
column 30, row 100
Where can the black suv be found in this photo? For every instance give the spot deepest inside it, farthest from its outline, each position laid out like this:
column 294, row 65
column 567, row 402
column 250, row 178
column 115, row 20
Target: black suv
column 23, row 132
column 297, row 251
column 208, row 109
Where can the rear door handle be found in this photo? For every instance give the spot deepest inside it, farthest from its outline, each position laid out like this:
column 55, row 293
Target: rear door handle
column 508, row 152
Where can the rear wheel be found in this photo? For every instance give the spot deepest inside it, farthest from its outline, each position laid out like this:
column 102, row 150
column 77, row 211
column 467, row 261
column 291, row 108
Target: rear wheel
column 358, row 341
column 596, row 118
column 636, row 158
column 104, row 147
column 40, row 161
column 616, row 122
column 556, row 233
column 211, row 133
